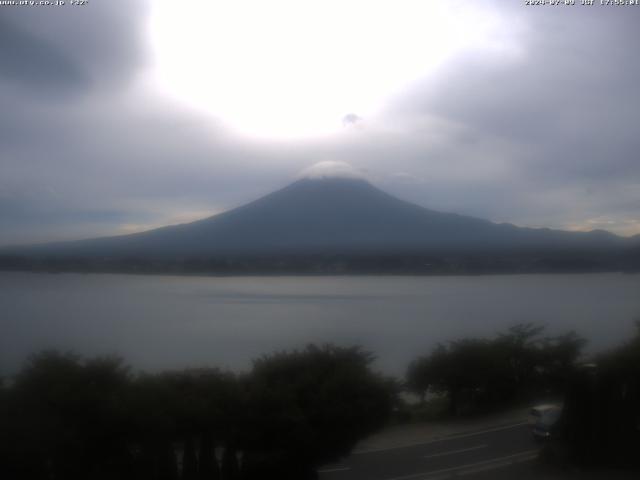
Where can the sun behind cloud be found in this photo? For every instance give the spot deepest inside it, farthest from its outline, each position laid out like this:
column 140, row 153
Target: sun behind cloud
column 290, row 69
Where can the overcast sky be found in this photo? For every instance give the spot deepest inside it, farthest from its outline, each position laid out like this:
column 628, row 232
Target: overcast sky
column 512, row 113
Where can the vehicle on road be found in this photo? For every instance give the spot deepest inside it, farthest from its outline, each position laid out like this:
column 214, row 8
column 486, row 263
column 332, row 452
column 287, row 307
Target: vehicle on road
column 543, row 419
column 536, row 412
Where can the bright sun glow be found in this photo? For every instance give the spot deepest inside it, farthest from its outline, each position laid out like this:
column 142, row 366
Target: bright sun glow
column 293, row 68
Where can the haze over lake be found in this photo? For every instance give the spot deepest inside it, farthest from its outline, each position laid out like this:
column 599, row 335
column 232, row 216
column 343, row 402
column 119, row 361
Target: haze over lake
column 159, row 322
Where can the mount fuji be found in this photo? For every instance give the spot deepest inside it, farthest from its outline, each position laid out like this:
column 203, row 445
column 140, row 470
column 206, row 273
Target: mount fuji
column 344, row 215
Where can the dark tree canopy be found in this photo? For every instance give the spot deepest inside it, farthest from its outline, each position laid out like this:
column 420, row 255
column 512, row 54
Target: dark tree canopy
column 600, row 424
column 476, row 372
column 71, row 418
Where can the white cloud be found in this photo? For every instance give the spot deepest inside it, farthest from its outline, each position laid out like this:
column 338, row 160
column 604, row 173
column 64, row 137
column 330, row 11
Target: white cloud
column 331, row 169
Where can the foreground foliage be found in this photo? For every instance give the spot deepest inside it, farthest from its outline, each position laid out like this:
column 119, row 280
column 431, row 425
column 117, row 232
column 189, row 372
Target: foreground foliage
column 68, row 418
column 600, row 424
column 478, row 373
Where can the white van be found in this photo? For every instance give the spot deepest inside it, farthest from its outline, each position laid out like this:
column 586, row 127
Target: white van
column 539, row 411
column 542, row 419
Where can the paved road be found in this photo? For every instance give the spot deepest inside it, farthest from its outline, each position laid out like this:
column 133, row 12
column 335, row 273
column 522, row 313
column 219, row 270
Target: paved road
column 500, row 452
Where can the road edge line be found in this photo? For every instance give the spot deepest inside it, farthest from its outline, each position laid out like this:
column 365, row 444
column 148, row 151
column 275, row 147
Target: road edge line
column 444, row 438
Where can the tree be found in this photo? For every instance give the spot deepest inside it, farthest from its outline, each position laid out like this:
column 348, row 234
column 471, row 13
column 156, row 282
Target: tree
column 68, row 416
column 419, row 377
column 476, row 373
column 558, row 357
column 520, row 347
column 190, row 409
column 600, row 422
column 310, row 407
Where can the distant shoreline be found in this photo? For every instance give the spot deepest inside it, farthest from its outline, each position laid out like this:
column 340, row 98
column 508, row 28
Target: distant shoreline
column 306, row 273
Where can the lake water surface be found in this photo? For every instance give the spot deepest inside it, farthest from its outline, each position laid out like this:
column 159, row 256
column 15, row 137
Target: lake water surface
column 171, row 322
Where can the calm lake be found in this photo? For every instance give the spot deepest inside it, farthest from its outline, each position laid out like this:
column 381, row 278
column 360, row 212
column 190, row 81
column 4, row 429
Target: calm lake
column 159, row 322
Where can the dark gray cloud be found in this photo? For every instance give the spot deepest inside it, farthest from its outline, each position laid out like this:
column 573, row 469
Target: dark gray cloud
column 29, row 61
column 62, row 48
column 560, row 113
column 541, row 130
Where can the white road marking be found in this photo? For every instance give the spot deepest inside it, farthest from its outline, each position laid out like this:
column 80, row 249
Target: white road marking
column 453, row 452
column 337, row 469
column 493, row 466
column 486, row 465
column 441, row 439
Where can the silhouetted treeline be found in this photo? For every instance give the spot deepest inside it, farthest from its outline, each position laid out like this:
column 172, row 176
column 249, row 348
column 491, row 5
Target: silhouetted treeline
column 63, row 417
column 444, row 263
column 478, row 373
